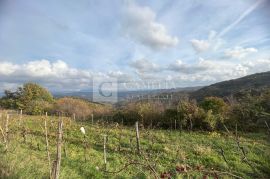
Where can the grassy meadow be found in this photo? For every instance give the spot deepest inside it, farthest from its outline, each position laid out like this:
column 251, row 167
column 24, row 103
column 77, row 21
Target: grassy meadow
column 164, row 153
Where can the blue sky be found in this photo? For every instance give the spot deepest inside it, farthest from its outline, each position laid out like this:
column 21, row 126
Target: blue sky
column 65, row 43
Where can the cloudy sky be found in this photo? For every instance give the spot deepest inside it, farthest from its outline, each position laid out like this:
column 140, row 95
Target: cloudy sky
column 64, row 44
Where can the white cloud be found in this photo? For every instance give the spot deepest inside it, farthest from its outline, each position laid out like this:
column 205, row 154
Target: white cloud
column 181, row 67
column 200, row 45
column 58, row 75
column 213, row 42
column 259, row 65
column 145, row 66
column 120, row 76
column 52, row 74
column 7, row 68
column 140, row 24
column 210, row 71
column 239, row 52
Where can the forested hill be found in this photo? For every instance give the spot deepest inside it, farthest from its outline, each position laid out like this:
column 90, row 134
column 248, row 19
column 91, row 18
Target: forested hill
column 255, row 81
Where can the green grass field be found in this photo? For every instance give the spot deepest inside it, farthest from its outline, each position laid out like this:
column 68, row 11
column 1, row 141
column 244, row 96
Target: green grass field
column 164, row 152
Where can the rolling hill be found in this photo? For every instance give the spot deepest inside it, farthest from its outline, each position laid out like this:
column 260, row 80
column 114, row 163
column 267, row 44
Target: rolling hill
column 226, row 88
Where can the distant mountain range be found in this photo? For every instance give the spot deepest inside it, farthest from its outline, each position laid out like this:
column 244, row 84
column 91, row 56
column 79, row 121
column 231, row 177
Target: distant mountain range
column 126, row 95
column 226, row 88
column 256, row 81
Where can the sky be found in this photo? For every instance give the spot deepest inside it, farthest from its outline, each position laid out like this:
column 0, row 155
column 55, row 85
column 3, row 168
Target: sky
column 71, row 45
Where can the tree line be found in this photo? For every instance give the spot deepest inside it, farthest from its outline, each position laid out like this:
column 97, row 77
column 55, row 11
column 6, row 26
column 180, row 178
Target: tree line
column 34, row 99
column 249, row 109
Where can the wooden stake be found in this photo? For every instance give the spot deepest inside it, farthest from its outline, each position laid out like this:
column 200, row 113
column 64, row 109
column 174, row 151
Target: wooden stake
column 3, row 135
column 92, row 117
column 137, row 137
column 104, row 151
column 6, row 131
column 57, row 163
column 47, row 143
column 267, row 126
column 20, row 118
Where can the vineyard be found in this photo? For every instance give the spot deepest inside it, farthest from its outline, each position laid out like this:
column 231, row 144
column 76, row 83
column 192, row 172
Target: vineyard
column 29, row 148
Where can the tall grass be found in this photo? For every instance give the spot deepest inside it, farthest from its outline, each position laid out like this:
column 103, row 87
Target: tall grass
column 164, row 152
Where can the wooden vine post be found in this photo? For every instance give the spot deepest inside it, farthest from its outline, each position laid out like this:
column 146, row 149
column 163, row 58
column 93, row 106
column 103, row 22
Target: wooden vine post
column 57, row 162
column 104, row 151
column 137, row 137
column 2, row 131
column 47, row 143
column 6, row 133
column 20, row 117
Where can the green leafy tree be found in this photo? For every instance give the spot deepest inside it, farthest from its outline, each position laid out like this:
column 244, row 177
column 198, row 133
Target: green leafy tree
column 171, row 115
column 215, row 104
column 209, row 121
column 188, row 112
column 9, row 101
column 32, row 98
column 32, row 92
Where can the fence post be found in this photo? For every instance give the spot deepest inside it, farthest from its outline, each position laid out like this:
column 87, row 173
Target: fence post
column 47, row 142
column 6, row 131
column 137, row 137
column 57, row 163
column 104, row 151
column 92, row 117
column 20, row 117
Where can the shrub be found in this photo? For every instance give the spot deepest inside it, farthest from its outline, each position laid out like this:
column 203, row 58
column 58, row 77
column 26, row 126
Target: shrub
column 215, row 104
column 188, row 111
column 31, row 97
column 209, row 121
column 37, row 107
column 170, row 116
column 71, row 106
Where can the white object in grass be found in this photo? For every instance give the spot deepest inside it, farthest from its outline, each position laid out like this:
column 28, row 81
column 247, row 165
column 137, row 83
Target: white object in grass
column 82, row 130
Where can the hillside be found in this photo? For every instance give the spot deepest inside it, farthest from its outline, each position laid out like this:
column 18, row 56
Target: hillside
column 255, row 81
column 163, row 152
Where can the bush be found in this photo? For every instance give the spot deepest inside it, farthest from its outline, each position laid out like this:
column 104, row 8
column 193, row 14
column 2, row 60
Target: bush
column 209, row 121
column 215, row 104
column 37, row 107
column 70, row 106
column 31, row 97
column 170, row 116
column 188, row 112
